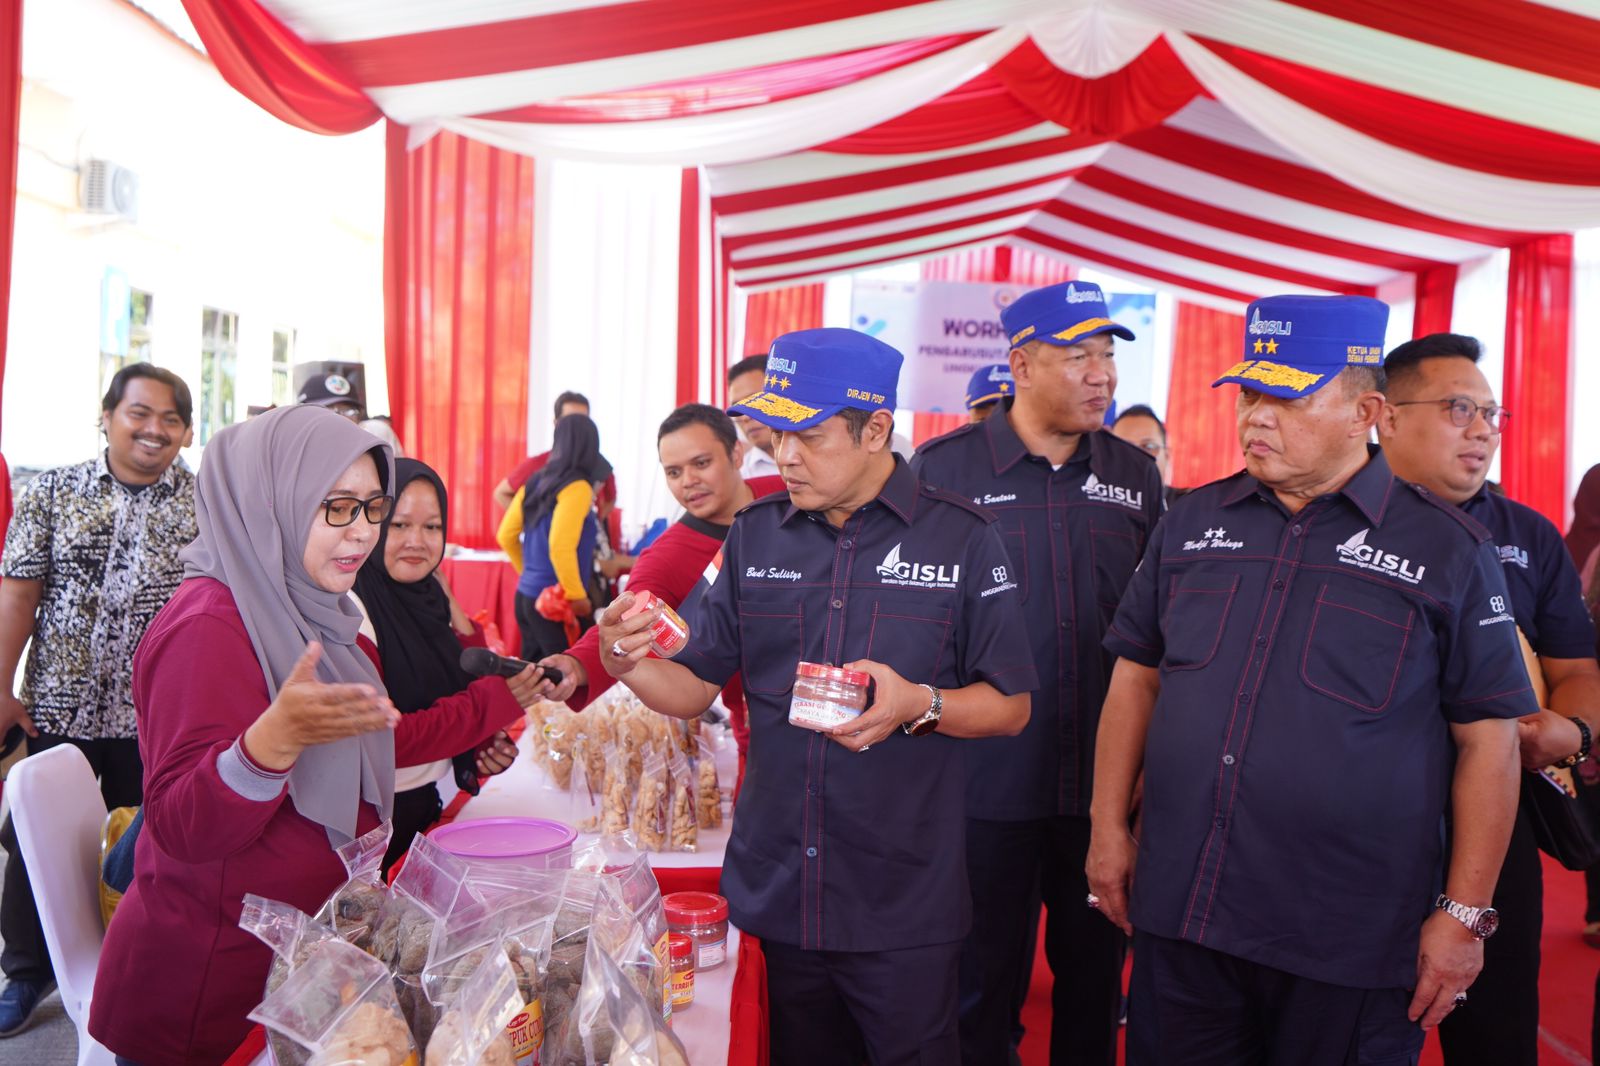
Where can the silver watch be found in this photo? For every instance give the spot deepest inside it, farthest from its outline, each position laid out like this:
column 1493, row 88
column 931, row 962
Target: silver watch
column 930, row 719
column 1481, row 922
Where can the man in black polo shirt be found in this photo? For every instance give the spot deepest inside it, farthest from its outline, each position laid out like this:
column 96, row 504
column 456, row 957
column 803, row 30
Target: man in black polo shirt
column 847, row 848
column 1077, row 506
column 1315, row 658
column 1441, row 429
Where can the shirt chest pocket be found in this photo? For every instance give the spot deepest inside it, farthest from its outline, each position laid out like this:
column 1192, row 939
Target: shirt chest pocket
column 911, row 636
column 772, row 637
column 1197, row 613
column 1114, row 550
column 1355, row 645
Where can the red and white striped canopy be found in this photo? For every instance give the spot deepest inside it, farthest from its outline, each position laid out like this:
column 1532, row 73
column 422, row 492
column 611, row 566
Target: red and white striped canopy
column 1220, row 148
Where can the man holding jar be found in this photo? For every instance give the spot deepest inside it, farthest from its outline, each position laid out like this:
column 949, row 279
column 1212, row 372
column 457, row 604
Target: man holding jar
column 847, row 856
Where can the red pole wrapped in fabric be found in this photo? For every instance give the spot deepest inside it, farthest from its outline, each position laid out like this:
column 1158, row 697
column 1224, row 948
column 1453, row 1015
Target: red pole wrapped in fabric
column 771, row 314
column 1538, row 375
column 1202, row 432
column 1436, row 298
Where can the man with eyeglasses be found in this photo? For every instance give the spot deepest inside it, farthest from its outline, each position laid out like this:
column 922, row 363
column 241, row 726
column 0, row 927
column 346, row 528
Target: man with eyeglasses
column 1440, row 429
column 90, row 557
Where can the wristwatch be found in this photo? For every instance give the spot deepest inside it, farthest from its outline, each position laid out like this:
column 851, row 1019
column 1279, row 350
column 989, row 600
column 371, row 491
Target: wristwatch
column 1481, row 922
column 1585, row 742
column 930, row 719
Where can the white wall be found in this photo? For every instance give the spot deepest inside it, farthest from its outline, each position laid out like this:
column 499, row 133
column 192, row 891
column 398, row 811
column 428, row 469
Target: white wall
column 237, row 211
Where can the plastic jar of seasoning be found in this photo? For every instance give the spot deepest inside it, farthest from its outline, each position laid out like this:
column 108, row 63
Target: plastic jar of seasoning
column 703, row 918
column 826, row 696
column 682, row 985
column 670, row 633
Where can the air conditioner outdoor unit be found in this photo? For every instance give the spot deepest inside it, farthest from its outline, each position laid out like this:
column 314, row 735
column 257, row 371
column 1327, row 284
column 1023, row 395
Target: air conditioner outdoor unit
column 108, row 189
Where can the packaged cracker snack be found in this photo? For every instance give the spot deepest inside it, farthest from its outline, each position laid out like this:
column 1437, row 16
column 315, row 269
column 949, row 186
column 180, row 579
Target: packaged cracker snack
column 472, row 1023
column 292, row 935
column 684, row 818
column 430, row 885
column 652, row 810
column 352, row 911
column 339, row 1006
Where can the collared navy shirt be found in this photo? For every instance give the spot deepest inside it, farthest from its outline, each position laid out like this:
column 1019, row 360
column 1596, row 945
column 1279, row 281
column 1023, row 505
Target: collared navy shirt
column 1546, row 594
column 1074, row 536
column 834, row 849
column 1299, row 757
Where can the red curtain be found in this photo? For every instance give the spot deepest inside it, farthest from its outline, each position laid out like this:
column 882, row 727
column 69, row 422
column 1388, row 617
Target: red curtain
column 689, row 286
column 1202, row 434
column 269, row 64
column 1538, row 375
column 1139, row 95
column 458, row 260
column 10, row 119
column 775, row 312
column 1435, row 300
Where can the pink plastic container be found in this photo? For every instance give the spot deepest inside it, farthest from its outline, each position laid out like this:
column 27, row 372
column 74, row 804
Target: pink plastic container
column 532, row 843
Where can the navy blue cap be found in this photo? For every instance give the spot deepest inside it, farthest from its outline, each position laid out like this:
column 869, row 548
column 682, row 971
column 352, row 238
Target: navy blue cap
column 813, row 374
column 990, row 384
column 1060, row 314
column 1294, row 345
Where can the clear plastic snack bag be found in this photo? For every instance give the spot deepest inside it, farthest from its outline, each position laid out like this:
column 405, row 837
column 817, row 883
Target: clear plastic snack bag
column 618, row 1024
column 427, row 889
column 652, row 810
column 684, row 831
column 472, row 1021
column 618, row 929
column 560, row 728
column 584, row 814
column 352, row 911
column 293, row 935
column 520, row 931
column 340, row 1007
column 617, row 795
column 708, row 790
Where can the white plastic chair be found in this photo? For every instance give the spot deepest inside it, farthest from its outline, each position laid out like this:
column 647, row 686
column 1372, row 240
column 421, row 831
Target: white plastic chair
column 56, row 806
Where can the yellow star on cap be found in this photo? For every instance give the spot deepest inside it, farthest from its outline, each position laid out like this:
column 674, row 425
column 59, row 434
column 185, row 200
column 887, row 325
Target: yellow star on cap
column 1004, row 388
column 783, row 383
column 1272, row 347
column 1257, row 349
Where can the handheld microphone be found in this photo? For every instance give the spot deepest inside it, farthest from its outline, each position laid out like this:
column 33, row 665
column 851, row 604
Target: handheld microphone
column 481, row 662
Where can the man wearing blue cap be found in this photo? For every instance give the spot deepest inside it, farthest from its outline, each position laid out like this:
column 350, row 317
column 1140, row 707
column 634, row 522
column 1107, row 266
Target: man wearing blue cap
column 1077, row 506
column 1315, row 660
column 986, row 388
column 847, row 855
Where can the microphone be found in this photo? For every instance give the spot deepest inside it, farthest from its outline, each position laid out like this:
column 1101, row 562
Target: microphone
column 481, row 662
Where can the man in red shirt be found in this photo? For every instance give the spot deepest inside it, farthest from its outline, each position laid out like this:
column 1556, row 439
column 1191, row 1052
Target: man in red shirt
column 568, row 403
column 700, row 454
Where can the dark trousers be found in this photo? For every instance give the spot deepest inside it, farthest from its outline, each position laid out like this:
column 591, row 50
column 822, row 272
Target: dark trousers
column 844, row 1008
column 540, row 636
column 1499, row 1023
column 121, row 772
column 1192, row 1006
column 415, row 810
column 1009, row 865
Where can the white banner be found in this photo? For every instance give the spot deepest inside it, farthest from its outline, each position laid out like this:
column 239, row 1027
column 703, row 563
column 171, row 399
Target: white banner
column 948, row 329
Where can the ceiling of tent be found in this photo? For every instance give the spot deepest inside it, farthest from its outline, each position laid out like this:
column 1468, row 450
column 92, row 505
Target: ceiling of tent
column 1220, row 148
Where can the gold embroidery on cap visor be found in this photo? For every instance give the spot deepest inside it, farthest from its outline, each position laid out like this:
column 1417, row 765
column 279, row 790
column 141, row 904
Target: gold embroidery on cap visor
column 1072, row 333
column 1018, row 338
column 775, row 406
column 993, row 397
column 1275, row 375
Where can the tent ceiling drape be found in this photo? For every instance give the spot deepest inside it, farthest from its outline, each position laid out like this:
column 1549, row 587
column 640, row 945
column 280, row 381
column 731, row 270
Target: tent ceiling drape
column 1221, row 150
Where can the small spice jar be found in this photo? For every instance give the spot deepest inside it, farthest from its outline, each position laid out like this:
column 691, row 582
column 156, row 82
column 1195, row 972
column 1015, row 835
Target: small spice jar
column 826, row 696
column 670, row 633
column 703, row 918
column 682, row 983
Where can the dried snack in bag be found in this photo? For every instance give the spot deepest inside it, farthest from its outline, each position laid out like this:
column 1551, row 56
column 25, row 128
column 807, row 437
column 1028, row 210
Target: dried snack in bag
column 425, row 891
column 684, row 834
column 617, row 797
column 617, row 1024
column 352, row 911
column 340, row 1007
column 292, row 935
column 652, row 811
column 560, row 728
column 472, row 1023
column 618, row 930
column 584, row 814
column 708, row 792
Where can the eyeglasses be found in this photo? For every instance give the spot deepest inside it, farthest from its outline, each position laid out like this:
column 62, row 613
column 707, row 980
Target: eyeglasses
column 342, row 510
column 1464, row 412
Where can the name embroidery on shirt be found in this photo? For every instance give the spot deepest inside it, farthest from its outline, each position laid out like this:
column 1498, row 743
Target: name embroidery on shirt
column 772, row 573
column 896, row 571
column 1210, row 539
column 1005, row 497
column 1357, row 552
column 1511, row 554
column 1096, row 489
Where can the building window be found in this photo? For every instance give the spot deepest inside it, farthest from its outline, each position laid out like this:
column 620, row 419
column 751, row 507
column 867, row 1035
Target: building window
column 219, row 369
column 126, row 330
column 282, row 360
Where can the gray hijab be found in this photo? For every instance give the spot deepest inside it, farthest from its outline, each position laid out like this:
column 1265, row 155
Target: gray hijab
column 261, row 485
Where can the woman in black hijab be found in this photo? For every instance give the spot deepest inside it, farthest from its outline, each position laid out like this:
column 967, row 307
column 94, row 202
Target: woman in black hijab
column 418, row 646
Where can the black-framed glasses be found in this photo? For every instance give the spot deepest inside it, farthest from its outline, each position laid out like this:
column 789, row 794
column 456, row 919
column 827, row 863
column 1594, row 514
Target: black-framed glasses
column 342, row 510
column 1463, row 412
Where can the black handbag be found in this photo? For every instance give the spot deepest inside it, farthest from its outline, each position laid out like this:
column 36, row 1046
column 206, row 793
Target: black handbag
column 1564, row 826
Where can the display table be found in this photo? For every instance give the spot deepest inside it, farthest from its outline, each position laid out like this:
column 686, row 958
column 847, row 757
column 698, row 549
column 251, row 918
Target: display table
column 484, row 581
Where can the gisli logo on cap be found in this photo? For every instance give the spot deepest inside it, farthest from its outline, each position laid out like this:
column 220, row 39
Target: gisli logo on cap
column 337, row 385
